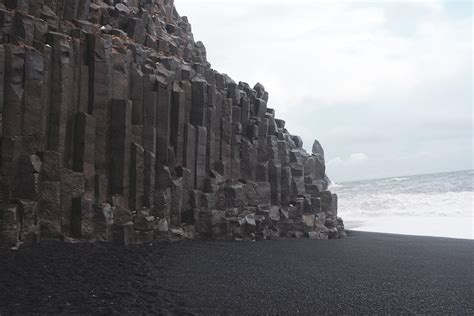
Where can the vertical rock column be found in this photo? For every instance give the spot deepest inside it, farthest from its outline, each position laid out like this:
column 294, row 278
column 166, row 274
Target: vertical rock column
column 50, row 208
column 199, row 102
column 236, row 143
column 149, row 107
column 137, row 180
column 149, row 180
column 210, row 124
column 61, row 94
column 285, row 173
column 120, row 148
column 163, row 122
column 82, row 73
column 226, row 138
column 177, row 122
column 14, row 91
column 249, row 153
column 2, row 77
column 198, row 119
column 217, row 128
column 12, row 120
column 34, row 105
column 274, row 175
column 9, row 223
column 137, row 95
column 201, row 147
column 84, row 150
column 100, row 89
column 190, row 152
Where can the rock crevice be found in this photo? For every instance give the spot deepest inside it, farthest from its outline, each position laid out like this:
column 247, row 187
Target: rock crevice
column 115, row 127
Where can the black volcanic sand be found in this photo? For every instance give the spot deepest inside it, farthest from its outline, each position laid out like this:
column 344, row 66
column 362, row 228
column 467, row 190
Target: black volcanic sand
column 366, row 273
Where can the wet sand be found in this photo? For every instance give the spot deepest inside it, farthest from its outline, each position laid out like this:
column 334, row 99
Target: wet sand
column 366, row 273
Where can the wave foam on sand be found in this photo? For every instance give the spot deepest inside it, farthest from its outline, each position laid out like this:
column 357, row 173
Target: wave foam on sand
column 444, row 215
column 435, row 205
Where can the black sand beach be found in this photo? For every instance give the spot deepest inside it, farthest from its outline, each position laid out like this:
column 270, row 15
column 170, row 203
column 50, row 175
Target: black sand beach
column 366, row 273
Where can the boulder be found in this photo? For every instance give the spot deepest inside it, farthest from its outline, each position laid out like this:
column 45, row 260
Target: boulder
column 144, row 222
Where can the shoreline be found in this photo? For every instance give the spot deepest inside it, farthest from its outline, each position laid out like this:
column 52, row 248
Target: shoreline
column 365, row 273
column 434, row 226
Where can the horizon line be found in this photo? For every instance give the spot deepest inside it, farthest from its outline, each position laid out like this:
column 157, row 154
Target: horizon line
column 406, row 175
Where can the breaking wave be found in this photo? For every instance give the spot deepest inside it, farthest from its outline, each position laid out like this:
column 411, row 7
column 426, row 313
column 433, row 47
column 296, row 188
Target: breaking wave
column 405, row 204
column 397, row 179
column 334, row 185
column 435, row 205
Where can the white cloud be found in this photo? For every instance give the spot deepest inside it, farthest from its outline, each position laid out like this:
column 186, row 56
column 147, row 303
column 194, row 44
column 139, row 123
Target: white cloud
column 344, row 51
column 358, row 158
column 335, row 162
column 352, row 160
column 387, row 78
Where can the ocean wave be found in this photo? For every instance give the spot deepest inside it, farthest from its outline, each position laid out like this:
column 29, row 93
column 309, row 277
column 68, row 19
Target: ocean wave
column 432, row 205
column 396, row 179
column 454, row 227
column 458, row 204
column 334, row 185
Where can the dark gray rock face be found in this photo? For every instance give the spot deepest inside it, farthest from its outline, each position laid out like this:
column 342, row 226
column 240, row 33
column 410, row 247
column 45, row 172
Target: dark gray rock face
column 114, row 127
column 318, row 149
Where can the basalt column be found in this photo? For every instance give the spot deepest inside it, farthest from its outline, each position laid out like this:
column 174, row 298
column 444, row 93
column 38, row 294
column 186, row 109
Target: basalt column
column 114, row 127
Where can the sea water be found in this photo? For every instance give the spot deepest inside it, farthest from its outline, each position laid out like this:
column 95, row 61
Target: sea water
column 429, row 205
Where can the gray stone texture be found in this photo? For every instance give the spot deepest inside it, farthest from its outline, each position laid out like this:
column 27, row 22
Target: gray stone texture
column 114, row 127
column 120, row 131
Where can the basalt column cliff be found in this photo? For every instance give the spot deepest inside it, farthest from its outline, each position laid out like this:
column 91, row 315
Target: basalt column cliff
column 114, row 127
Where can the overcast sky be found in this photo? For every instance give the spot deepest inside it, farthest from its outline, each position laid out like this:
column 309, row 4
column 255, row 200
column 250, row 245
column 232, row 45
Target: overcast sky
column 386, row 86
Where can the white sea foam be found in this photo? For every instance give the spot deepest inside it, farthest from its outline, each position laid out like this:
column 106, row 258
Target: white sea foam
column 397, row 179
column 405, row 204
column 334, row 185
column 433, row 205
column 453, row 227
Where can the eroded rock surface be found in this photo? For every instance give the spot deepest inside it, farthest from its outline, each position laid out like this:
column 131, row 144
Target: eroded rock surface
column 114, row 127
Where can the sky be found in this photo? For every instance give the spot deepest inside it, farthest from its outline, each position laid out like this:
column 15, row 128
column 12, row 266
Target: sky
column 385, row 86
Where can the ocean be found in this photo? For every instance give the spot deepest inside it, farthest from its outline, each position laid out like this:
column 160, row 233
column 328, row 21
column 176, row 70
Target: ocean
column 429, row 205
